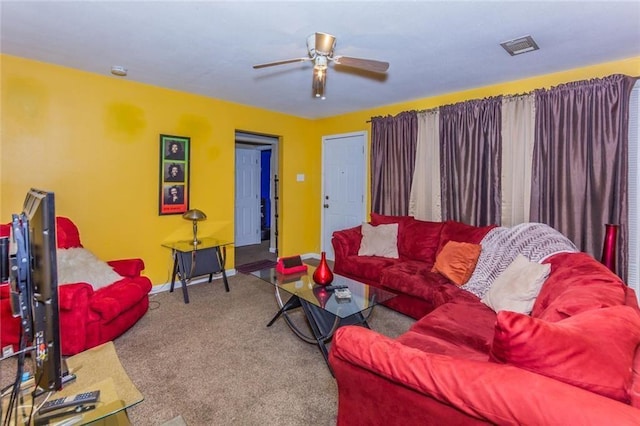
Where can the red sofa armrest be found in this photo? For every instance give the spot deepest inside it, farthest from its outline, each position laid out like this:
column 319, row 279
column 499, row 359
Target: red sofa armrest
column 5, row 291
column 73, row 300
column 109, row 302
column 346, row 242
column 72, row 296
column 127, row 267
column 370, row 367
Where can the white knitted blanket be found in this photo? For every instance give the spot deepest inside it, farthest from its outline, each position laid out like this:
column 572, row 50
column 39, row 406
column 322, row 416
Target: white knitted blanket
column 501, row 245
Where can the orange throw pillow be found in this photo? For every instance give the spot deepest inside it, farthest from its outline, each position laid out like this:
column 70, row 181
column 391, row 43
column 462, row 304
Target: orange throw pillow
column 457, row 261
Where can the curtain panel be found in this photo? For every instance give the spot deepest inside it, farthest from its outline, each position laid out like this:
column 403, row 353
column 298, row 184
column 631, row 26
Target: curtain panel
column 393, row 151
column 518, row 130
column 470, row 155
column 424, row 203
column 579, row 171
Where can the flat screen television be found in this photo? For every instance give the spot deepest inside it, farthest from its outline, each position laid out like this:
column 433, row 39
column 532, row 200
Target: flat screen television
column 34, row 284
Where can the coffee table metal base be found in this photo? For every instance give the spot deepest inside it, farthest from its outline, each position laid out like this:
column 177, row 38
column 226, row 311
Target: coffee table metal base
column 323, row 324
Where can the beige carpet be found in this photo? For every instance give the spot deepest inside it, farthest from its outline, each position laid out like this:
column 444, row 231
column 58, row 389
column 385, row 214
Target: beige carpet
column 214, row 361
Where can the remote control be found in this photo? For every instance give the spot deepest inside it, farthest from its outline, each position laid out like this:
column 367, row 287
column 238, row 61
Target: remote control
column 70, row 401
column 334, row 287
column 343, row 293
column 78, row 410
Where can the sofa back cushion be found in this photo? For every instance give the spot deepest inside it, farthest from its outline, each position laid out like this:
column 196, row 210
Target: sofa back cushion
column 419, row 240
column 577, row 283
column 458, row 231
column 381, row 219
column 5, row 230
column 67, row 233
column 593, row 350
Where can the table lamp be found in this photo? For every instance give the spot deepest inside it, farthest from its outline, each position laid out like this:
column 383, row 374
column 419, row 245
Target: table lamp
column 196, row 216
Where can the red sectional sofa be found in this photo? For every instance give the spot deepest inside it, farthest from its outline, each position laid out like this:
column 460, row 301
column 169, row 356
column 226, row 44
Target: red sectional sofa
column 419, row 290
column 574, row 360
column 88, row 317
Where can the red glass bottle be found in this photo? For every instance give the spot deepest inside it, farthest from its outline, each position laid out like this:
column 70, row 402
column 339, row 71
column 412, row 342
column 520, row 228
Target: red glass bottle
column 609, row 247
column 323, row 274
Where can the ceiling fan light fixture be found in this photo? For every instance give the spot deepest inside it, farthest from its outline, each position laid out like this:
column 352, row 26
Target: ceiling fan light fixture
column 320, row 63
column 319, row 81
column 320, row 48
column 324, row 44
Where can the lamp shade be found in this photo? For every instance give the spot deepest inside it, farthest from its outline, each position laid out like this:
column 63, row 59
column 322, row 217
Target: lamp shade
column 194, row 214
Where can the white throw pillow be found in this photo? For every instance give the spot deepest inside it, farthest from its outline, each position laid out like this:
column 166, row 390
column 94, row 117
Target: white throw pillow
column 78, row 265
column 381, row 240
column 517, row 287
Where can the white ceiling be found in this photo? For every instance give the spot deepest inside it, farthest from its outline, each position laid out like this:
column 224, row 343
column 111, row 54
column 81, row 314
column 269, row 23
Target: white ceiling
column 209, row 47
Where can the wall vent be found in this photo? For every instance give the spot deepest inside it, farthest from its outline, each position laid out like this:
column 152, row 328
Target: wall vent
column 520, row 45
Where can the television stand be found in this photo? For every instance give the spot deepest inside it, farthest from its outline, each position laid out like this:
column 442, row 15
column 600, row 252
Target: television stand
column 66, row 379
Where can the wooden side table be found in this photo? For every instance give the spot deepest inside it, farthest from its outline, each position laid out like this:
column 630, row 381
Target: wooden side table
column 205, row 258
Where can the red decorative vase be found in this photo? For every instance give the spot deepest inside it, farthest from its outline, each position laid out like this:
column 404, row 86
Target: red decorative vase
column 323, row 274
column 609, row 247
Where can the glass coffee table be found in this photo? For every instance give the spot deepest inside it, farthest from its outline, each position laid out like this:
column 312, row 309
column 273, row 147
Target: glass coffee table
column 322, row 309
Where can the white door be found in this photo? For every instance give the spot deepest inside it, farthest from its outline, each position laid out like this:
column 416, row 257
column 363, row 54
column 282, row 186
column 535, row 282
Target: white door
column 343, row 184
column 247, row 224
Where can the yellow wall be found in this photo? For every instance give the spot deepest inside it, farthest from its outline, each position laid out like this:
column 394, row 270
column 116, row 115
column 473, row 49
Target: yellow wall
column 94, row 141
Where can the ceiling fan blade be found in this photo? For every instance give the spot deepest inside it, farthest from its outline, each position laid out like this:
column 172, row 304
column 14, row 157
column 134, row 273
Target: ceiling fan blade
column 364, row 64
column 286, row 61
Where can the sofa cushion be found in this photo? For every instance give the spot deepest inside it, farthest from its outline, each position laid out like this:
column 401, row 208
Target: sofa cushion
column 67, row 234
column 456, row 261
column 458, row 231
column 435, row 345
column 577, row 283
column 450, row 322
column 517, row 287
column 419, row 240
column 572, row 350
column 382, row 219
column 366, row 267
column 381, row 240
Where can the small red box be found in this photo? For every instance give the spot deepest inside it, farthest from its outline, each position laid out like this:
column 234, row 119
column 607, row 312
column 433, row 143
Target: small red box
column 290, row 265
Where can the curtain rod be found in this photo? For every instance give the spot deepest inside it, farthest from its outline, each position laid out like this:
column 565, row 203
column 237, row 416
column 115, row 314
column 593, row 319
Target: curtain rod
column 518, row 95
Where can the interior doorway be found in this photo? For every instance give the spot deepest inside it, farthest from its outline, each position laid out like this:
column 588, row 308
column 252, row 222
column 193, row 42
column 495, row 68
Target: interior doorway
column 256, row 232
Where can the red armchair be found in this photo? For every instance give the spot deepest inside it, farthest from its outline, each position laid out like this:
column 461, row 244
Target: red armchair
column 88, row 317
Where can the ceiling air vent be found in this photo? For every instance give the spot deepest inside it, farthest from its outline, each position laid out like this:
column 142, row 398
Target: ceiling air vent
column 520, row 45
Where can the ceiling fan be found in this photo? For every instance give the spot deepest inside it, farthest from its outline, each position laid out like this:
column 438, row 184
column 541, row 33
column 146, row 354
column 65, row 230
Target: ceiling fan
column 320, row 48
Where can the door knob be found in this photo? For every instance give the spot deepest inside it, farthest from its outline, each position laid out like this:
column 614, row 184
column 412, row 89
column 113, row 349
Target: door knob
column 326, row 206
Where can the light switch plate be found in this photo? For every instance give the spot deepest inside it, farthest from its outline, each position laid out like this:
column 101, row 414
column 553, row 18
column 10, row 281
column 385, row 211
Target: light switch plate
column 300, row 177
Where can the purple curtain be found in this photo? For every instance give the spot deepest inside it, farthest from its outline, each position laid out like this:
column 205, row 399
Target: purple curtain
column 470, row 161
column 579, row 170
column 393, row 152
